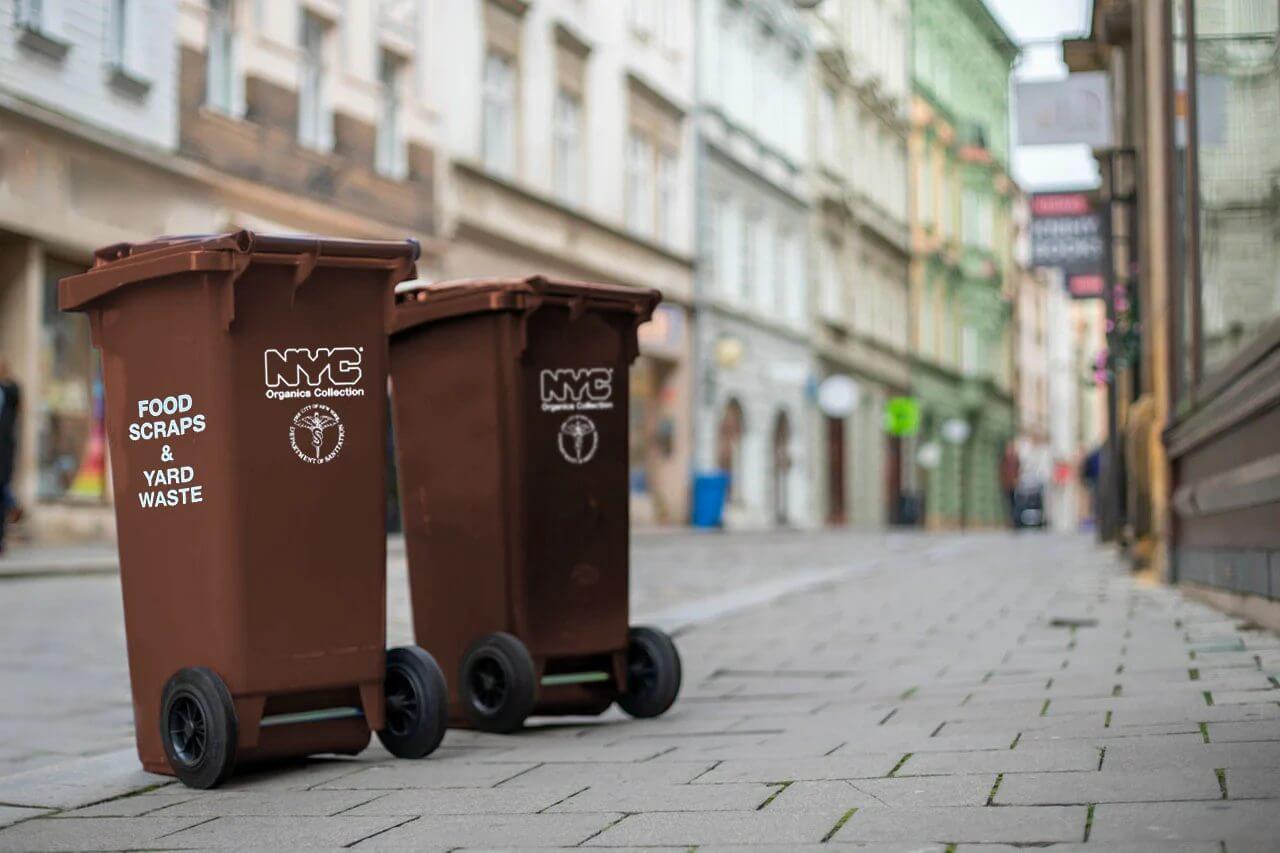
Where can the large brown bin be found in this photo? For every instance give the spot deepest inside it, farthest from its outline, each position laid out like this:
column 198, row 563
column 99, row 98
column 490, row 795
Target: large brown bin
column 245, row 380
column 509, row 401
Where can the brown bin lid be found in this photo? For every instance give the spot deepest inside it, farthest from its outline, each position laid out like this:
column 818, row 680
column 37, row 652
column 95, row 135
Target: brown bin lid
column 431, row 302
column 126, row 263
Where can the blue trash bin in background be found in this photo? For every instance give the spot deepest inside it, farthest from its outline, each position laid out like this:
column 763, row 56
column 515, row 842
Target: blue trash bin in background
column 709, row 491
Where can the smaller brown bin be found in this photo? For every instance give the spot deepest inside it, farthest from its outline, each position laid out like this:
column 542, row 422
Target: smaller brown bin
column 245, row 389
column 510, row 408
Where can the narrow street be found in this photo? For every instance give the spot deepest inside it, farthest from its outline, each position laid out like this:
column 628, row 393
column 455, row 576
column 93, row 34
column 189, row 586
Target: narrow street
column 913, row 690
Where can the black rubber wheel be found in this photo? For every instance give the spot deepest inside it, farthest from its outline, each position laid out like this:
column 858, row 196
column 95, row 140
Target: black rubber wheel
column 417, row 703
column 653, row 673
column 498, row 683
column 198, row 727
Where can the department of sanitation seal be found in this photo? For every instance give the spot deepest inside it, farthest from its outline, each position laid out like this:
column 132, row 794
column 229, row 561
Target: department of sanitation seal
column 578, row 439
column 316, row 434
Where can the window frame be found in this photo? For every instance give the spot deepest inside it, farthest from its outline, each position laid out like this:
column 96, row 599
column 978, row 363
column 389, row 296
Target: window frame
column 568, row 163
column 1197, row 385
column 234, row 104
column 315, row 107
column 499, row 98
column 390, row 155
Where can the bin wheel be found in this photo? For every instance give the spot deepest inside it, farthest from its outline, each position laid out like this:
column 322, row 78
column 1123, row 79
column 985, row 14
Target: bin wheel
column 499, row 683
column 417, row 703
column 653, row 673
column 198, row 727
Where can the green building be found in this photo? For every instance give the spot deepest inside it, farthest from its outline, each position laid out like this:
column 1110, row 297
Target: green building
column 963, row 274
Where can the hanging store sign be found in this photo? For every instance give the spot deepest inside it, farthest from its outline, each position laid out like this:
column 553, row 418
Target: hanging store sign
column 1068, row 232
column 1073, row 110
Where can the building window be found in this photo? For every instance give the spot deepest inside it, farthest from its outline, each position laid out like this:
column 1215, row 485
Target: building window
column 639, row 190
column 71, row 443
column 390, row 157
column 827, row 130
column 749, row 258
column 499, row 114
column 642, row 17
column 315, row 114
column 125, row 40
column 223, row 89
column 1237, row 175
column 666, row 206
column 566, row 144
column 924, row 191
column 976, row 219
column 728, row 233
column 829, row 283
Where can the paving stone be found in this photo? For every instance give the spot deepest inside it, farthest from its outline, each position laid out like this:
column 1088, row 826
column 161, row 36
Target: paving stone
column 98, row 833
column 853, row 766
column 748, row 827
column 823, row 848
column 904, row 792
column 10, row 815
column 1248, row 821
column 136, row 805
column 1106, row 787
column 279, row 833
column 571, row 752
column 1012, row 824
column 452, row 801
column 667, row 798
column 1202, row 755
column 304, row 774
column 578, row 776
column 454, row 831
column 1251, row 731
column 281, row 804
column 1253, row 783
column 79, row 782
column 1030, row 758
column 1123, row 847
column 426, row 774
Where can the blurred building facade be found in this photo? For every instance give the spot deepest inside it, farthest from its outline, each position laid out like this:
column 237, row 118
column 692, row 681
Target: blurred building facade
column 570, row 152
column 859, row 95
column 1193, row 179
column 963, row 276
column 130, row 119
column 819, row 193
column 755, row 359
column 88, row 92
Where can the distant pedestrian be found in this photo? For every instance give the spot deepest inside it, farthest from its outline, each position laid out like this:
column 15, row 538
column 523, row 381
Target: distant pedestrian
column 10, row 400
column 1010, row 473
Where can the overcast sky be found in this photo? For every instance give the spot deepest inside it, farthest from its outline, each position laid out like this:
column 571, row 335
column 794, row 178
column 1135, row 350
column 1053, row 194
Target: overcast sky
column 1037, row 25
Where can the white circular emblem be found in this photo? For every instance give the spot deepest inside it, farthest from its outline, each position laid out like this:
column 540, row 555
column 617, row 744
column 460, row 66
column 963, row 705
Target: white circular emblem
column 578, row 439
column 316, row 434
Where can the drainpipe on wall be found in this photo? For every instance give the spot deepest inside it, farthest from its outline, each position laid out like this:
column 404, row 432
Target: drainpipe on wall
column 697, row 381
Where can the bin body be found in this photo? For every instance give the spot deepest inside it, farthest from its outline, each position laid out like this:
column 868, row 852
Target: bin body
column 270, row 567
column 510, row 407
column 709, row 491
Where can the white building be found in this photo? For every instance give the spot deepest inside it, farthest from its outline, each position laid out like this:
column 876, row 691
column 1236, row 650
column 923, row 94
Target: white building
column 570, row 152
column 861, row 251
column 121, row 120
column 87, row 98
column 756, row 366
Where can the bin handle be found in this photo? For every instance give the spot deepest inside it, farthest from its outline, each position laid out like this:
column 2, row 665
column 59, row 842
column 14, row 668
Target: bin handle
column 227, row 293
column 307, row 259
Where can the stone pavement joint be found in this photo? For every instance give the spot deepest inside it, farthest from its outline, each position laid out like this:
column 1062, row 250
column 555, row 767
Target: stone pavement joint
column 933, row 692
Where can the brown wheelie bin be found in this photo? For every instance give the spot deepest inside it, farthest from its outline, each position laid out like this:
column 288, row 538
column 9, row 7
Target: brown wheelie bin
column 245, row 380
column 509, row 402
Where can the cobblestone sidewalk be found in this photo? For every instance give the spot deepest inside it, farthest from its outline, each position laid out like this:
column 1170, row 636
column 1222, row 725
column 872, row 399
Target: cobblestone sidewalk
column 1008, row 691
